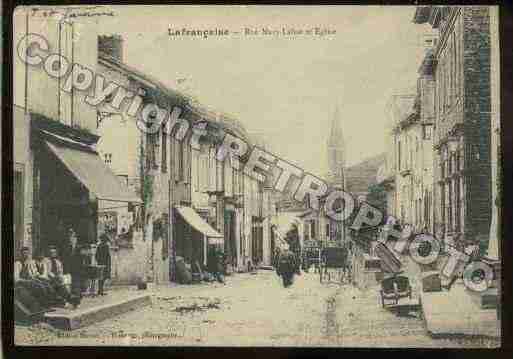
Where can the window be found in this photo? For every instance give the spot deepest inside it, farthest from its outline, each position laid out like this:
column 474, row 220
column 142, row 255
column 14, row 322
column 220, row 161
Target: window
column 108, row 158
column 307, row 231
column 312, row 229
column 327, row 230
column 426, row 132
column 457, row 213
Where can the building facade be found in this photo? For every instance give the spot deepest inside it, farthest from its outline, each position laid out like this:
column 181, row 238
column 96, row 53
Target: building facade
column 462, row 129
column 61, row 182
column 211, row 203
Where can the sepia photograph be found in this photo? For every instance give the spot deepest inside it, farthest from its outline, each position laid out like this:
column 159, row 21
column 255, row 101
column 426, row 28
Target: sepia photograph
column 256, row 176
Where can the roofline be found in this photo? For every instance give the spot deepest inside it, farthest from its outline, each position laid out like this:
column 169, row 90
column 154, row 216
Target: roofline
column 209, row 115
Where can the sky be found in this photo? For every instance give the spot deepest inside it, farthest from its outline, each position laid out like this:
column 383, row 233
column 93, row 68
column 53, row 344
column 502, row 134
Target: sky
column 284, row 88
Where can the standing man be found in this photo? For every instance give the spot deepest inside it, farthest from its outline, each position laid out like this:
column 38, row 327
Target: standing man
column 287, row 266
column 103, row 258
column 294, row 245
column 215, row 263
column 68, row 248
column 76, row 264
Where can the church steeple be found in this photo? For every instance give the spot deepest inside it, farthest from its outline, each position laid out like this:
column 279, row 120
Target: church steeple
column 336, row 150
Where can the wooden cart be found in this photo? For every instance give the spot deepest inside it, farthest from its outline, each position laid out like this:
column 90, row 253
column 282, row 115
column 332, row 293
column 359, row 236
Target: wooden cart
column 393, row 289
column 311, row 256
column 333, row 263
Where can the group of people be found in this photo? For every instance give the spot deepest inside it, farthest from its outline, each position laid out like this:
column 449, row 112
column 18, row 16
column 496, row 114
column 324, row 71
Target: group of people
column 43, row 280
column 53, row 280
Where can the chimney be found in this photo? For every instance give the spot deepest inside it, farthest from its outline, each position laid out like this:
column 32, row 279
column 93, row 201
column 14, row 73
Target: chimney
column 111, row 45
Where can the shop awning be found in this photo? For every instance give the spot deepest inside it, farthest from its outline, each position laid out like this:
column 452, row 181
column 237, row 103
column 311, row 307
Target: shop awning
column 196, row 222
column 92, row 172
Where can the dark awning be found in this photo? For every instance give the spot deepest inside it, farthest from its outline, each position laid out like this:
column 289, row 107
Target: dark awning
column 196, row 222
column 92, row 172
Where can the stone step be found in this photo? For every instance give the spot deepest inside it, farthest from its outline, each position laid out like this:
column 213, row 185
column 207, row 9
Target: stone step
column 78, row 318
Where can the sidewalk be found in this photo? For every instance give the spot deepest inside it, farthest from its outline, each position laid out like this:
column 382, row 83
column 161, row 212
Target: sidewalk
column 456, row 312
column 95, row 309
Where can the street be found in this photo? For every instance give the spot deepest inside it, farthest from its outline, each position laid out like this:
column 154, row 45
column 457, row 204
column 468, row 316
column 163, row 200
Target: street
column 255, row 310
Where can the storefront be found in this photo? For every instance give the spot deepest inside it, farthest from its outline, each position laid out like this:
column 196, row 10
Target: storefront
column 194, row 236
column 70, row 180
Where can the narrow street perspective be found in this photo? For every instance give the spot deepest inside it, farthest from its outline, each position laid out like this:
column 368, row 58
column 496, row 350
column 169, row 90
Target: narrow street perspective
column 255, row 310
column 256, row 176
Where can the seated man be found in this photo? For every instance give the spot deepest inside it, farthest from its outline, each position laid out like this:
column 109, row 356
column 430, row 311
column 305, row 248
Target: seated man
column 53, row 273
column 27, row 276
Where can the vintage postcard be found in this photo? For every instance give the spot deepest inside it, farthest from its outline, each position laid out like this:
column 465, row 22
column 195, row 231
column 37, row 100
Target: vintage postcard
column 286, row 176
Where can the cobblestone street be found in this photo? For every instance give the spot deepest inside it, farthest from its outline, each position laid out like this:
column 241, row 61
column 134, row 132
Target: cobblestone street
column 255, row 310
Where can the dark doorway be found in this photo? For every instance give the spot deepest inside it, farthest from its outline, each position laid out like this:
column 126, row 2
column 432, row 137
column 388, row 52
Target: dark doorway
column 64, row 203
column 230, row 246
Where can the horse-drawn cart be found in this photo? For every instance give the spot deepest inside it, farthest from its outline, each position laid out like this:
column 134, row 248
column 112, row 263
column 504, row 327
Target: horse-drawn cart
column 333, row 263
column 393, row 289
column 396, row 291
column 311, row 255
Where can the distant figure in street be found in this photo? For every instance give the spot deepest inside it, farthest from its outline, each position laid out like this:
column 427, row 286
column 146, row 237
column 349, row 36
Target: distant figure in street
column 276, row 255
column 287, row 267
column 294, row 245
column 215, row 263
column 103, row 258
